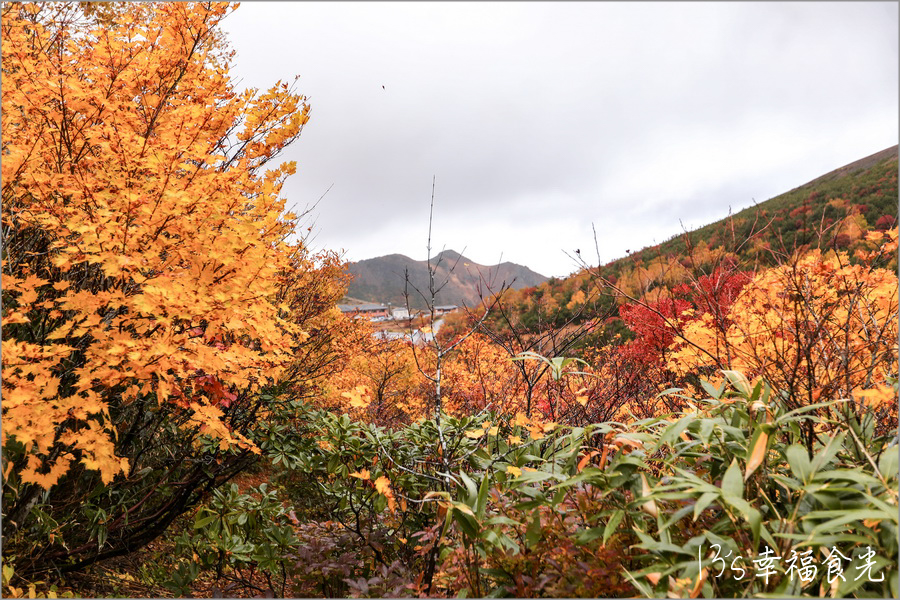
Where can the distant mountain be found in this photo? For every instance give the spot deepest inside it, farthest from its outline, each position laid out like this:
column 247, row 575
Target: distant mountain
column 461, row 281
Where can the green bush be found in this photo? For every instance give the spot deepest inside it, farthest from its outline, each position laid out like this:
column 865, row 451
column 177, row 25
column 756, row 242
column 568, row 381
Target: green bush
column 653, row 507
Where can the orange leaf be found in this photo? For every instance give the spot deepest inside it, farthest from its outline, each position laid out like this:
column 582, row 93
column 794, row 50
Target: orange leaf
column 364, row 475
column 383, row 486
column 757, row 455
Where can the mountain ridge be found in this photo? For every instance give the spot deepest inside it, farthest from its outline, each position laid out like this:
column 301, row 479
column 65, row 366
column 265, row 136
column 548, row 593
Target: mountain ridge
column 460, row 280
column 833, row 211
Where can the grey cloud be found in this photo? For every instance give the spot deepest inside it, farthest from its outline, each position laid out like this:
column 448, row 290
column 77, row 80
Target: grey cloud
column 537, row 114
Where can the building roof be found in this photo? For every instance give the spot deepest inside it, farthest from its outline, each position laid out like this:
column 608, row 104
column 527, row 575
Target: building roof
column 361, row 307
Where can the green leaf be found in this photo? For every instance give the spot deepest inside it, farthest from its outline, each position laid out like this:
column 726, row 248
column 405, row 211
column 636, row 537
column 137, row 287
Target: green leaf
column 798, row 459
column 467, row 523
column 706, row 430
column 888, row 509
column 481, row 501
column 533, row 534
column 614, row 520
column 333, row 463
column 535, row 476
column 797, row 413
column 849, row 516
column 588, row 535
column 847, row 475
column 827, row 453
column 739, row 381
column 851, row 584
column 586, row 474
column 670, row 435
column 712, row 390
column 200, row 523
column 888, row 463
column 753, row 516
column 679, row 514
column 501, row 520
column 703, row 501
column 470, row 487
column 733, row 482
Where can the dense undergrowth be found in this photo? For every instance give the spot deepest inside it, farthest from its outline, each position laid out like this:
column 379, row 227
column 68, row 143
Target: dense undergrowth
column 493, row 506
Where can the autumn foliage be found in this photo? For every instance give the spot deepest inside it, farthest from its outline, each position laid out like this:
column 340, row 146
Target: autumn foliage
column 820, row 327
column 145, row 243
column 149, row 275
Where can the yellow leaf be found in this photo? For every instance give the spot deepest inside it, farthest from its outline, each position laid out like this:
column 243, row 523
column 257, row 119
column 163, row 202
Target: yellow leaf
column 876, row 396
column 358, row 397
column 582, row 400
column 475, row 433
column 757, row 455
column 698, row 587
column 383, row 486
column 514, row 471
column 15, row 318
column 27, row 297
column 364, row 475
column 520, row 420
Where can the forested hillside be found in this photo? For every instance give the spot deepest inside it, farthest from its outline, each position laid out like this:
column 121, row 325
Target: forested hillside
column 836, row 211
column 187, row 413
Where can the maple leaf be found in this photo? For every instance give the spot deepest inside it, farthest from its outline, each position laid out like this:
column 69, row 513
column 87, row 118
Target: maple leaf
column 363, row 474
column 15, row 317
column 383, row 486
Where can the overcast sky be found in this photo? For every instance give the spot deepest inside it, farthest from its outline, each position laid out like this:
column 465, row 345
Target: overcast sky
column 539, row 119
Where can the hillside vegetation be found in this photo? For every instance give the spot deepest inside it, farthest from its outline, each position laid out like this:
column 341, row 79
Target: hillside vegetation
column 836, row 211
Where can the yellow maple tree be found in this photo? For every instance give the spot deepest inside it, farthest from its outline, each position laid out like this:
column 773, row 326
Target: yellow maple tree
column 145, row 238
